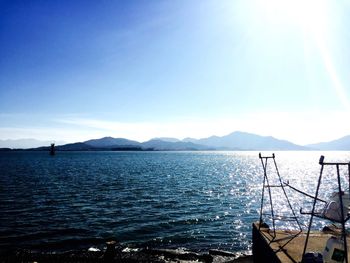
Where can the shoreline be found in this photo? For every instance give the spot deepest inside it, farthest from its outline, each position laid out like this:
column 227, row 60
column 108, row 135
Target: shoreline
column 114, row 252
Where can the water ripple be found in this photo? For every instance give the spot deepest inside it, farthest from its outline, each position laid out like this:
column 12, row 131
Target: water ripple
column 199, row 200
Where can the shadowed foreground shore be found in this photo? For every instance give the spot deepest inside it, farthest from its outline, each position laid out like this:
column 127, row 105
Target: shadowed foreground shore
column 116, row 253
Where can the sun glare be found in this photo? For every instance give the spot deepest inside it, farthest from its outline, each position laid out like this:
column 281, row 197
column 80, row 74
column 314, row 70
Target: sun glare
column 310, row 15
column 312, row 18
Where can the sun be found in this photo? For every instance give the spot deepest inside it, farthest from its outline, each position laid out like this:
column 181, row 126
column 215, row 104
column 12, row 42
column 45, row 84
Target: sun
column 312, row 18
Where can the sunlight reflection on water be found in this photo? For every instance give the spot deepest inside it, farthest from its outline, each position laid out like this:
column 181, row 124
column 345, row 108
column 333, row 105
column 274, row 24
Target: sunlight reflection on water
column 198, row 200
column 301, row 170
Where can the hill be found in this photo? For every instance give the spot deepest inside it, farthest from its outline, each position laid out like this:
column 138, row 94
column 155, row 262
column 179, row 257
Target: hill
column 110, row 142
column 234, row 141
column 342, row 144
column 247, row 141
column 161, row 145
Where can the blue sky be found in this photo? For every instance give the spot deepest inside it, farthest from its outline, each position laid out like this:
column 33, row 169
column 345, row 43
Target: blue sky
column 75, row 70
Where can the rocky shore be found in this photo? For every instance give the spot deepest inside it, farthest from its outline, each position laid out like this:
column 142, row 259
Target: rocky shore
column 116, row 253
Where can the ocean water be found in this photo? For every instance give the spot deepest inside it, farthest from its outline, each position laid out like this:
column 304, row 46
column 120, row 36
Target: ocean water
column 197, row 200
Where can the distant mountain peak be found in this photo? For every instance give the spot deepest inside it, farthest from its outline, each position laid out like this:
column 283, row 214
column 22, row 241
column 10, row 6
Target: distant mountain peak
column 110, row 141
column 237, row 140
column 248, row 141
column 341, row 144
column 157, row 144
column 166, row 139
column 189, row 139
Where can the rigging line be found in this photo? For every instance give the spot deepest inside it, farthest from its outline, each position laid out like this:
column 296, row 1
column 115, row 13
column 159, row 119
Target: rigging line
column 304, row 193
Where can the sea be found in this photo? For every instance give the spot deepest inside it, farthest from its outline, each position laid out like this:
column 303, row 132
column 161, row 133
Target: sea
column 195, row 200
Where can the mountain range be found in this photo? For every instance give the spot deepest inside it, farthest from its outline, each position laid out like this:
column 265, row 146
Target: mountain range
column 233, row 141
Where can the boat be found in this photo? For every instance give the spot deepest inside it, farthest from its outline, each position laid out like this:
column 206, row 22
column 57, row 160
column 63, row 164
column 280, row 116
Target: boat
column 303, row 245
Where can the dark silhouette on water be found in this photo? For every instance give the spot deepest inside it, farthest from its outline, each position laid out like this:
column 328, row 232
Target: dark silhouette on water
column 52, row 149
